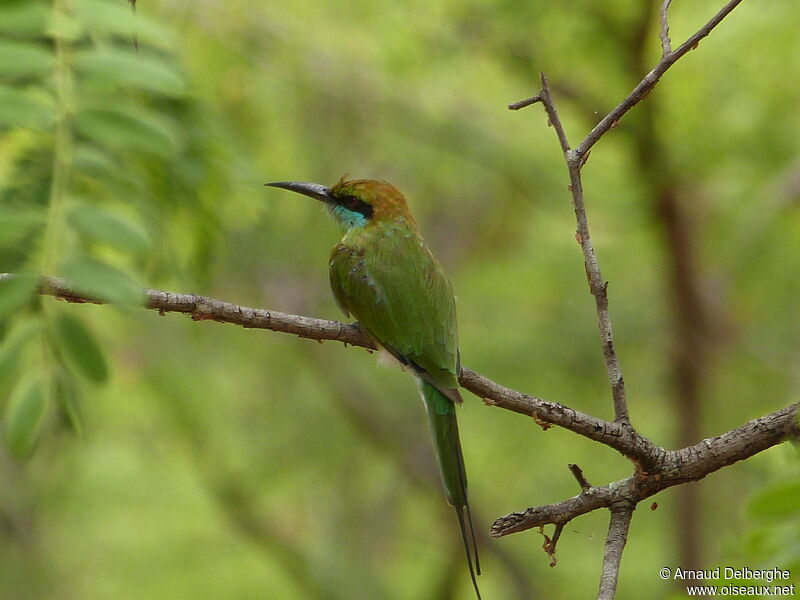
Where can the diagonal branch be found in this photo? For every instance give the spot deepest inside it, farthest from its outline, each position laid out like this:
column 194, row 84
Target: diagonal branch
column 619, row 436
column 687, row 464
column 577, row 472
column 651, row 79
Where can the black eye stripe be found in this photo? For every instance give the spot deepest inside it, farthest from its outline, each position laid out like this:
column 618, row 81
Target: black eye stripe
column 355, row 204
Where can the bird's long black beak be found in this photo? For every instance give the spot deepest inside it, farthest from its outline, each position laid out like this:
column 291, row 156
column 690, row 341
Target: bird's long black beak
column 312, row 190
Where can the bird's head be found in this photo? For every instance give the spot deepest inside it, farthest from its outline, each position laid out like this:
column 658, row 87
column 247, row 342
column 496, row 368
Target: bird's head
column 356, row 203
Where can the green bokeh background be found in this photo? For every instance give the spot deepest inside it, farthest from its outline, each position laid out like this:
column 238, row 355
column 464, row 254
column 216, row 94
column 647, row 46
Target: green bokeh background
column 218, row 462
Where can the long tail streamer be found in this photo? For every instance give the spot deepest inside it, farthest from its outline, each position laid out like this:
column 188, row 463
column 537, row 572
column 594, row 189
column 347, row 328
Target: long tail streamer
column 444, row 427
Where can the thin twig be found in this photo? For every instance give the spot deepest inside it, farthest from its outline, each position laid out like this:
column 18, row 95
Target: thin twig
column 618, row 526
column 577, row 472
column 526, row 102
column 550, row 544
column 552, row 114
column 663, row 31
column 650, row 80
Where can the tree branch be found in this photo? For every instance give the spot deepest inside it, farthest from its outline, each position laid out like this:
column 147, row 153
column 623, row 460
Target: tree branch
column 203, row 308
column 663, row 33
column 650, row 80
column 619, row 436
column 576, row 159
column 577, row 473
column 597, row 285
column 621, row 515
column 673, row 467
column 657, row 468
column 662, row 468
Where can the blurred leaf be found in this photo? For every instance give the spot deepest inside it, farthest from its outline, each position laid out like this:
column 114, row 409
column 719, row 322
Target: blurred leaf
column 11, row 350
column 66, row 395
column 20, row 109
column 15, row 292
column 23, row 17
column 99, row 164
column 27, row 182
column 81, row 349
column 777, row 501
column 15, row 224
column 109, row 228
column 90, row 159
column 102, row 281
column 63, row 26
column 24, row 415
column 24, row 59
column 129, row 127
column 139, row 70
column 116, row 18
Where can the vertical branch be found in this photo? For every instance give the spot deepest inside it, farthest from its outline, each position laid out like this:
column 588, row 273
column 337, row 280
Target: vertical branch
column 691, row 310
column 663, row 30
column 599, row 289
column 597, row 285
column 616, row 539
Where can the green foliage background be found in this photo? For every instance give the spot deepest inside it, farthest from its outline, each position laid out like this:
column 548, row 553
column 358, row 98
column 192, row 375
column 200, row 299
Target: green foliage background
column 156, row 457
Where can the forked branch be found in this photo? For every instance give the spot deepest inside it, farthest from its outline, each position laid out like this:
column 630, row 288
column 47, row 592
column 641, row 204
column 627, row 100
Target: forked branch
column 620, row 497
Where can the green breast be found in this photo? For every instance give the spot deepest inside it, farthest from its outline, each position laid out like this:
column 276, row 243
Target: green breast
column 385, row 276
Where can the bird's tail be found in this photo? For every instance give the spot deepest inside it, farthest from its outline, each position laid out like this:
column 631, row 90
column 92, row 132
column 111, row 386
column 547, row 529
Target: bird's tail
column 444, row 428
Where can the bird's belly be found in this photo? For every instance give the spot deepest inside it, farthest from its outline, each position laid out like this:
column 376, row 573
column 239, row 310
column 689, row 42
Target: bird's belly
column 387, row 359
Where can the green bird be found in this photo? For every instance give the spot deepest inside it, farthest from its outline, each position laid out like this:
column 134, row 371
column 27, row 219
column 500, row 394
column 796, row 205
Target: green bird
column 384, row 275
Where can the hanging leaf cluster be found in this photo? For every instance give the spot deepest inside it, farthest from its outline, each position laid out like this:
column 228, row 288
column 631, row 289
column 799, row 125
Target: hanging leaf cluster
column 102, row 151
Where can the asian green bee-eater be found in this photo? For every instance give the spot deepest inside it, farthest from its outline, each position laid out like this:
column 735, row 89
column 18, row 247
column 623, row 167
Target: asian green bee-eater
column 383, row 274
